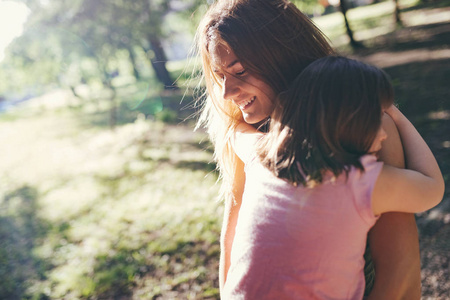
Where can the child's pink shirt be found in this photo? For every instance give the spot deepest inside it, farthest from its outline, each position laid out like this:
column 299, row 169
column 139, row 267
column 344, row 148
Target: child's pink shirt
column 302, row 243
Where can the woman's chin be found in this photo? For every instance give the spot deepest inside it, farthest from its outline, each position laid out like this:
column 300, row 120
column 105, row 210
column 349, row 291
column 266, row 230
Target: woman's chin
column 255, row 121
column 250, row 120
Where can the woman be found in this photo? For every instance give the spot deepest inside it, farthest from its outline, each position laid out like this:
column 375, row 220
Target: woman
column 251, row 51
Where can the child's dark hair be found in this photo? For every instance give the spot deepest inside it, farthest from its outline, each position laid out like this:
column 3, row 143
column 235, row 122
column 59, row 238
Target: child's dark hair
column 326, row 121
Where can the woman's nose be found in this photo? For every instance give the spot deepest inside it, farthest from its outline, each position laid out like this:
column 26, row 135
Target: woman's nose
column 230, row 88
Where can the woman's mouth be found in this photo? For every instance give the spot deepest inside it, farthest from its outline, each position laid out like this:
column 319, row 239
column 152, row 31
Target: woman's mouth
column 246, row 104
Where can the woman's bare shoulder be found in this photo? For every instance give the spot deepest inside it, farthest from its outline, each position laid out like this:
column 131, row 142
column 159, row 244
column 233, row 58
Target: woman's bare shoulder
column 244, row 141
column 246, row 128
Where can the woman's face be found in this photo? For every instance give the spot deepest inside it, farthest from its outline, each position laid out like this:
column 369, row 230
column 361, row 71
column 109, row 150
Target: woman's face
column 254, row 97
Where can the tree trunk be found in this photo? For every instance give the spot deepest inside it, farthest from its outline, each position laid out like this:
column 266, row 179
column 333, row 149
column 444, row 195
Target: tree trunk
column 74, row 92
column 112, row 104
column 112, row 108
column 398, row 20
column 158, row 62
column 353, row 43
column 159, row 59
column 112, row 98
column 136, row 73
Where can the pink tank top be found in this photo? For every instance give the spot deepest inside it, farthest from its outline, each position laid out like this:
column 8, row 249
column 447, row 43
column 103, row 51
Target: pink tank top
column 302, row 243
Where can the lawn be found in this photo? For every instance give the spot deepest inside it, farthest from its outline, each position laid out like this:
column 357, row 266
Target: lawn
column 90, row 212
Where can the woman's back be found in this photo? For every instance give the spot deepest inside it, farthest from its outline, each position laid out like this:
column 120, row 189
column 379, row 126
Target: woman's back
column 302, row 243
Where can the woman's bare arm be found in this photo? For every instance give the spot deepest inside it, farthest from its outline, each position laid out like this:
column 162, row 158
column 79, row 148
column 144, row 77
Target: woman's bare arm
column 243, row 144
column 230, row 217
column 394, row 240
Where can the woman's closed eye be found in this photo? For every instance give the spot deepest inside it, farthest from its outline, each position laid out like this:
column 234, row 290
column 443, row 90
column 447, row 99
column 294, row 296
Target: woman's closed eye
column 220, row 75
column 240, row 73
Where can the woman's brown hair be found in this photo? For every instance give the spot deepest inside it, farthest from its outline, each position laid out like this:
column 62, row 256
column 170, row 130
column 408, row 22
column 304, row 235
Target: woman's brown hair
column 273, row 41
column 326, row 121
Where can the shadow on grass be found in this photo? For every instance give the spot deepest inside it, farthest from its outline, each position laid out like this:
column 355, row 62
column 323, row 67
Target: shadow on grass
column 208, row 167
column 427, row 4
column 421, row 87
column 426, row 37
column 20, row 232
column 371, row 22
column 203, row 145
column 166, row 266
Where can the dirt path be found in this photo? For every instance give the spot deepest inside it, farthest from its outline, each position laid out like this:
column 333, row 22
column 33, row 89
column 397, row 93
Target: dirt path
column 418, row 60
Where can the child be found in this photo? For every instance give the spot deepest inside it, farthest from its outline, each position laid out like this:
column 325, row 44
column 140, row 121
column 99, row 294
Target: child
column 315, row 188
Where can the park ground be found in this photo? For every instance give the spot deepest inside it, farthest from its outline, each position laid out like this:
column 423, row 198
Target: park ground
column 418, row 60
column 87, row 212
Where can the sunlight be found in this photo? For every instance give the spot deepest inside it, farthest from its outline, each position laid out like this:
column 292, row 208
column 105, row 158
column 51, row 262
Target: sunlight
column 12, row 17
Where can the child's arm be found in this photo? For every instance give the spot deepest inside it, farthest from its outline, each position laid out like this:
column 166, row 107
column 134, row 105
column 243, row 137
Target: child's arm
column 394, row 240
column 418, row 188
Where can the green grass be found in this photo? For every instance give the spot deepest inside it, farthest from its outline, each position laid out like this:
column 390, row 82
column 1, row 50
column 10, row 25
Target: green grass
column 366, row 22
column 95, row 213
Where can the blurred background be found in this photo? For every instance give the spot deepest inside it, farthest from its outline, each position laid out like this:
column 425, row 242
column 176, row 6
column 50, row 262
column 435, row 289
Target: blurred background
column 107, row 192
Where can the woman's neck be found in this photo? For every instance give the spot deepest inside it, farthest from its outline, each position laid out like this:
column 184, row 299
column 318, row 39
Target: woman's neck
column 263, row 125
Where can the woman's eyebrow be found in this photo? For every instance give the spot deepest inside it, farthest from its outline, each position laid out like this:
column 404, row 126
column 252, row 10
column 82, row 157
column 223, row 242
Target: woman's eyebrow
column 232, row 63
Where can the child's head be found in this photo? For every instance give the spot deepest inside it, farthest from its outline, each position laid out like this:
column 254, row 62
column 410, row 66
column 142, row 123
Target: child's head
column 327, row 120
column 271, row 39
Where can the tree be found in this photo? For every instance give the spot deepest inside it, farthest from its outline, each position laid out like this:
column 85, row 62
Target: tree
column 398, row 20
column 102, row 30
column 309, row 6
column 355, row 44
column 121, row 24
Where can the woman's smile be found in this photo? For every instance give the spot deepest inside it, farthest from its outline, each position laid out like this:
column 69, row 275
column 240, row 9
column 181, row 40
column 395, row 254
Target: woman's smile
column 245, row 105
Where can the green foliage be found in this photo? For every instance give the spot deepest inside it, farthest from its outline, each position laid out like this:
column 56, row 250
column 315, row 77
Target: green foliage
column 93, row 48
column 309, row 7
column 167, row 116
column 100, row 30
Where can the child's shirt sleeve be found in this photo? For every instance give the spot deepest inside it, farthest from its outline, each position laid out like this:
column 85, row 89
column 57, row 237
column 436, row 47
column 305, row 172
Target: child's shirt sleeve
column 362, row 185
